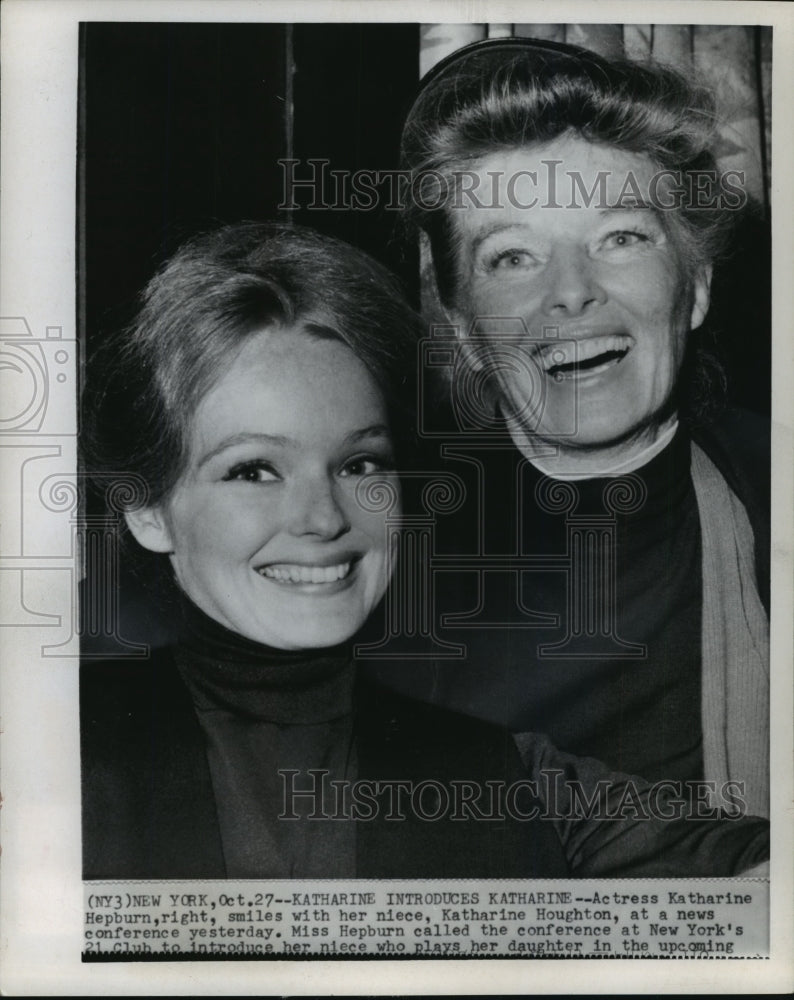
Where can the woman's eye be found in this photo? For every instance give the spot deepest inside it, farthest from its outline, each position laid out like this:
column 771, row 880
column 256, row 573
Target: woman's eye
column 365, row 465
column 625, row 238
column 512, row 260
column 252, row 472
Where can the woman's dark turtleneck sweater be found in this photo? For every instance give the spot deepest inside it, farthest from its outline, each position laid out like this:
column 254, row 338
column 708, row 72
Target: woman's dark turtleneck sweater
column 263, row 710
column 640, row 715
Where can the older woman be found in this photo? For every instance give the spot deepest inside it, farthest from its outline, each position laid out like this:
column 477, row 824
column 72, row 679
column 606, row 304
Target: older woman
column 573, row 214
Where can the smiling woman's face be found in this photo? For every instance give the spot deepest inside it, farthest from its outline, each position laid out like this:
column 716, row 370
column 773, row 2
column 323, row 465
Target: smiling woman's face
column 598, row 289
column 263, row 528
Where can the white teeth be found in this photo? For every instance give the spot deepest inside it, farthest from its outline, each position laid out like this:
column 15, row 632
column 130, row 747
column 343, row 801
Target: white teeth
column 288, row 573
column 566, row 353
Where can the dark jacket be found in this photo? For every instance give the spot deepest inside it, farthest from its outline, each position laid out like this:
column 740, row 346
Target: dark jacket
column 149, row 808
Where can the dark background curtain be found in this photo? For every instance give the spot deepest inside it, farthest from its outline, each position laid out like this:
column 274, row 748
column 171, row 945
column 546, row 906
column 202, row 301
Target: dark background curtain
column 183, row 125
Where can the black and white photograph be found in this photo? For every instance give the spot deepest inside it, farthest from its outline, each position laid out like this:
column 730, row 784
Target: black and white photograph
column 397, row 485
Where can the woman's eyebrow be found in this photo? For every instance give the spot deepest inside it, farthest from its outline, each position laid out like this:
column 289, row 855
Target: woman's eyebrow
column 282, row 441
column 244, row 437
column 496, row 227
column 376, row 430
column 612, row 209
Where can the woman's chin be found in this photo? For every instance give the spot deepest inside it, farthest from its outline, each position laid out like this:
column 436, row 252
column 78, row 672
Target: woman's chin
column 314, row 637
column 308, row 632
column 600, row 429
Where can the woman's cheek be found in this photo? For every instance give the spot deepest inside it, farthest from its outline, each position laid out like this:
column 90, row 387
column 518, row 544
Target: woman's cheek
column 516, row 297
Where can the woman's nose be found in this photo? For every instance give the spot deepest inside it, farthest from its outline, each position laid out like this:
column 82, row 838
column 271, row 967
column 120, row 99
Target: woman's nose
column 571, row 285
column 315, row 509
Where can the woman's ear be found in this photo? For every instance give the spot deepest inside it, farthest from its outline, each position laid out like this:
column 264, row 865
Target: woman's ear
column 702, row 297
column 149, row 527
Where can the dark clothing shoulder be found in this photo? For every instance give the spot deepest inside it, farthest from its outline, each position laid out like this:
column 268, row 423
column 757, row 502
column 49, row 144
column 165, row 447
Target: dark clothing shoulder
column 149, row 809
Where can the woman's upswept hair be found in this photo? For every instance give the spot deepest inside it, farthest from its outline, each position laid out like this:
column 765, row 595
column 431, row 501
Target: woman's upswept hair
column 509, row 93
column 146, row 382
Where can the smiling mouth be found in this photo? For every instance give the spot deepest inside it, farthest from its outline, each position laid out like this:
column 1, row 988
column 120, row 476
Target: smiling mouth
column 292, row 573
column 587, row 357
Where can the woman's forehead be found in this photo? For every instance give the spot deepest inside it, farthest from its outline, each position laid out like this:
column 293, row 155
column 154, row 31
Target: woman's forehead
column 286, row 384
column 566, row 170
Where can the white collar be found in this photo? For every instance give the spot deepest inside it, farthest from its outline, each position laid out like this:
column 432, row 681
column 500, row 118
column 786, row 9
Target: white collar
column 621, row 467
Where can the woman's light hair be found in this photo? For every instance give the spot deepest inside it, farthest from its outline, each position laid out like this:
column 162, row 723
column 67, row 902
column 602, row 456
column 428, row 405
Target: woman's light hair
column 197, row 313
column 511, row 93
